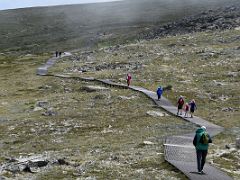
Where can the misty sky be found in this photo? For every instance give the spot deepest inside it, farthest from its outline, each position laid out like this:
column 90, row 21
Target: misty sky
column 13, row 4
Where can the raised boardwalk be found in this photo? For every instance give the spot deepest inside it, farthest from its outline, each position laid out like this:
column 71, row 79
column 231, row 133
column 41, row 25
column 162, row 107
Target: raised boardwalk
column 179, row 150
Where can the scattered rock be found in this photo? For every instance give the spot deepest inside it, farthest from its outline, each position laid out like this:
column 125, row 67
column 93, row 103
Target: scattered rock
column 219, row 83
column 233, row 74
column 37, row 109
column 157, row 114
column 45, row 87
column 27, row 169
column 62, row 162
column 148, row 143
column 114, row 158
column 228, row 109
column 219, row 19
column 94, row 88
column 49, row 112
column 227, row 146
column 42, row 104
column 223, row 98
column 107, row 130
column 38, row 163
column 237, row 28
column 127, row 98
column 10, row 160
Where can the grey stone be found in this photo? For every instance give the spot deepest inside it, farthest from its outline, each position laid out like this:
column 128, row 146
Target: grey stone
column 94, row 88
column 238, row 143
column 42, row 104
column 49, row 112
column 37, row 109
column 42, row 71
column 62, row 162
column 38, row 163
column 227, row 146
column 156, row 114
column 228, row 109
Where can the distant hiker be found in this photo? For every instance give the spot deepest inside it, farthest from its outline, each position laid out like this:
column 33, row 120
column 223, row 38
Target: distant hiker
column 201, row 141
column 128, row 78
column 193, row 107
column 186, row 108
column 159, row 92
column 60, row 53
column 56, row 53
column 180, row 104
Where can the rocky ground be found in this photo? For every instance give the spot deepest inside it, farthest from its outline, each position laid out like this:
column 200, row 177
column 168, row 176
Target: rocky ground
column 211, row 20
column 69, row 129
column 185, row 63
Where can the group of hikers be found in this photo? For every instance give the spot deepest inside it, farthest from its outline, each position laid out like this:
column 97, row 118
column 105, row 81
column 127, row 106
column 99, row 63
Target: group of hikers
column 188, row 106
column 181, row 105
column 191, row 106
column 58, row 54
column 201, row 138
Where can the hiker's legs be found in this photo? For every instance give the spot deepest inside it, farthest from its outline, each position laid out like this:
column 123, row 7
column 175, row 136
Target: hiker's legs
column 199, row 159
column 191, row 112
column 204, row 155
column 128, row 82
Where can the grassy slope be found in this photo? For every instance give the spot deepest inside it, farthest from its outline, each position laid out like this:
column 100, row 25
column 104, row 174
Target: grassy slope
column 186, row 62
column 43, row 29
column 95, row 127
column 80, row 131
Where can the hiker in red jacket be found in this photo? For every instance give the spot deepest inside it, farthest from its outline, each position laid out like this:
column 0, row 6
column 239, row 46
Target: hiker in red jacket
column 180, row 104
column 129, row 77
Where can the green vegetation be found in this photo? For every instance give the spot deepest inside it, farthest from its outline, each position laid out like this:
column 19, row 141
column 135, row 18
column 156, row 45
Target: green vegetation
column 102, row 134
column 88, row 126
column 45, row 29
column 186, row 62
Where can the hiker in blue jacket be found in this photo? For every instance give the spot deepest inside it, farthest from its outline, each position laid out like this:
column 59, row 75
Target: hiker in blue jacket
column 159, row 92
column 201, row 145
column 193, row 107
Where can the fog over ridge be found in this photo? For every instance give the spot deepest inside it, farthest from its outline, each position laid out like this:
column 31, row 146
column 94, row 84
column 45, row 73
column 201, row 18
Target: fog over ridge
column 14, row 4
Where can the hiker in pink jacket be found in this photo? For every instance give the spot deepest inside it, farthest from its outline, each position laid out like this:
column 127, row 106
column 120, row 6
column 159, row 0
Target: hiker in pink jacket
column 129, row 77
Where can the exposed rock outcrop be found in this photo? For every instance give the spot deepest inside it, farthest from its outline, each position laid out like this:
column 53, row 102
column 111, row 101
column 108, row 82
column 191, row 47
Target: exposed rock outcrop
column 218, row 19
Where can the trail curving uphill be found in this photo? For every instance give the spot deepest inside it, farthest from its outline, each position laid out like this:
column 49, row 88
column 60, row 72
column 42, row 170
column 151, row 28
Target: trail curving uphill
column 178, row 150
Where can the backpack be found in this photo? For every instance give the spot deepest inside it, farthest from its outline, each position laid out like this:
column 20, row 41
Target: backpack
column 204, row 138
column 181, row 101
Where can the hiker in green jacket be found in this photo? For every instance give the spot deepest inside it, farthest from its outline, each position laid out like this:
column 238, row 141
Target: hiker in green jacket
column 201, row 141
